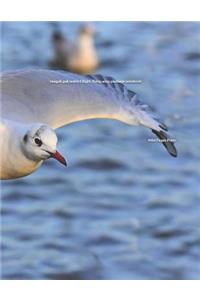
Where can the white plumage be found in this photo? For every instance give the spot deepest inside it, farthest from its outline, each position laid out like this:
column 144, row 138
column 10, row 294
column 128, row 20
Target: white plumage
column 31, row 99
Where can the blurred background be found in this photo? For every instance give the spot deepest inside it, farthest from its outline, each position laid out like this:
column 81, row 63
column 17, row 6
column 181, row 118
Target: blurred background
column 123, row 209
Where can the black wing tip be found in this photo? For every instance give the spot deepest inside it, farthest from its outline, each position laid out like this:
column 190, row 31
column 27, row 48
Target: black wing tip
column 174, row 153
column 171, row 149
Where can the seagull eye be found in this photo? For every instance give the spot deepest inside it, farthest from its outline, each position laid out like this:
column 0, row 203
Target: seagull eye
column 38, row 142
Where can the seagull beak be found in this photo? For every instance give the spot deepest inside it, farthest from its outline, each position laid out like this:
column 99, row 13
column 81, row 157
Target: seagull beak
column 59, row 157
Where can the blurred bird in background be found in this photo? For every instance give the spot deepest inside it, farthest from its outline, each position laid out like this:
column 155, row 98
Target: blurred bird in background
column 80, row 56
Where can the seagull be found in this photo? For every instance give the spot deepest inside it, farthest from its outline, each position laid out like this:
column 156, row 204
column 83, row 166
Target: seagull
column 79, row 57
column 35, row 102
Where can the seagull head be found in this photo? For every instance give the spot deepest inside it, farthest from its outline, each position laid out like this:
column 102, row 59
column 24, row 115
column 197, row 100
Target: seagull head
column 87, row 29
column 40, row 142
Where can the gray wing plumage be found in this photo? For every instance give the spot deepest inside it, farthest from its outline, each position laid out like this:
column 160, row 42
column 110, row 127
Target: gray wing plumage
column 121, row 89
column 28, row 97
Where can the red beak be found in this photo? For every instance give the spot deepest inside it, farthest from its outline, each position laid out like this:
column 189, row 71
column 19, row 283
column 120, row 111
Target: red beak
column 59, row 157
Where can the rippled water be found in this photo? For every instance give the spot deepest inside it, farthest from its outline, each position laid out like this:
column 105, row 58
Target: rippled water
column 124, row 209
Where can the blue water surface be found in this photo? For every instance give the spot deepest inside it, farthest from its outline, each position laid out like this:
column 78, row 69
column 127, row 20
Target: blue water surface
column 123, row 209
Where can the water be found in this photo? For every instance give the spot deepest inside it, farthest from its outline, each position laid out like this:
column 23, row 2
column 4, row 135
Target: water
column 124, row 209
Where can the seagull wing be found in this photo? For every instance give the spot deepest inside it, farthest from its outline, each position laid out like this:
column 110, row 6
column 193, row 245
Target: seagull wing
column 58, row 98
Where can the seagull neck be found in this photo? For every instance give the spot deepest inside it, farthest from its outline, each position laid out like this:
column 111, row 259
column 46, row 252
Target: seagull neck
column 16, row 133
column 85, row 40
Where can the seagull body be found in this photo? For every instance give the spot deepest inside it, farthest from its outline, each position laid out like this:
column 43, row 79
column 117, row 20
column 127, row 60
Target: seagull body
column 36, row 102
column 83, row 58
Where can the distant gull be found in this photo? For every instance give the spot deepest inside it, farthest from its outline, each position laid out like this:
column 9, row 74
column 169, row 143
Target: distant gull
column 35, row 102
column 80, row 56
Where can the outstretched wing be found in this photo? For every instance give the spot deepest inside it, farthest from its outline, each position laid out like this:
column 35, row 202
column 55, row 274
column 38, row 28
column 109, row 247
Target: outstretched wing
column 146, row 115
column 58, row 98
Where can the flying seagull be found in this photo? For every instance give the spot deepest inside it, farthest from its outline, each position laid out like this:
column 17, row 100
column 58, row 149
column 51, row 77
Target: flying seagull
column 36, row 102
